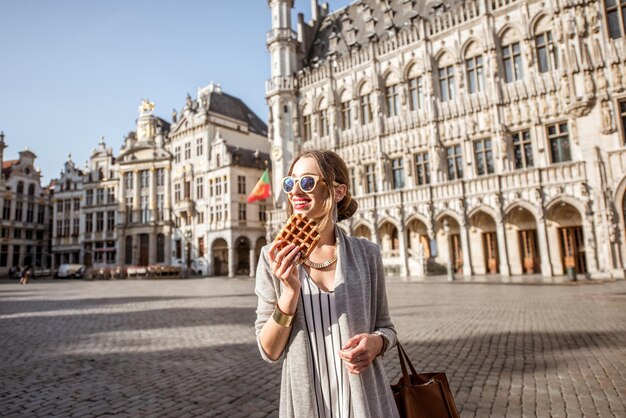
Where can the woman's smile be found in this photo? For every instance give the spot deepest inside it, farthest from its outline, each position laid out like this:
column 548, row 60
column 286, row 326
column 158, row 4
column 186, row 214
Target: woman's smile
column 300, row 203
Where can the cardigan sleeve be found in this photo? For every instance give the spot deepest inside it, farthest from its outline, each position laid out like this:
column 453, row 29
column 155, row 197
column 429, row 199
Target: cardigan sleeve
column 267, row 291
column 383, row 320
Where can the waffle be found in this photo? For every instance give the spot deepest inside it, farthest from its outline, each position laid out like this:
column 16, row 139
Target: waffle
column 301, row 231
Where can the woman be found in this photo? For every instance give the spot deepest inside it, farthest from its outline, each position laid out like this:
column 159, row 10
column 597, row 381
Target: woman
column 327, row 315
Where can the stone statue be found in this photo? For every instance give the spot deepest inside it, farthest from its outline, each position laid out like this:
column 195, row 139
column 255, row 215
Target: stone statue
column 601, row 79
column 581, row 22
column 607, row 117
column 616, row 74
column 565, row 90
column 558, row 29
column 189, row 103
column 592, row 12
column 174, row 116
column 589, row 85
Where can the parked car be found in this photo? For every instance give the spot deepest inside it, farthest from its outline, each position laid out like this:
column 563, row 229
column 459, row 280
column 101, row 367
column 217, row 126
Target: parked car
column 71, row 270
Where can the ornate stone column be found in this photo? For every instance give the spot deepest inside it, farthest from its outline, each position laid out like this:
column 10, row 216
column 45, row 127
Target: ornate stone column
column 544, row 248
column 467, row 259
column 231, row 259
column 153, row 189
column 136, row 197
column 502, row 252
column 252, row 262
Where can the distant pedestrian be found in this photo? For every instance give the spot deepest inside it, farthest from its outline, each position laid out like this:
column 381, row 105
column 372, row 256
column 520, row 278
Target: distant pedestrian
column 26, row 272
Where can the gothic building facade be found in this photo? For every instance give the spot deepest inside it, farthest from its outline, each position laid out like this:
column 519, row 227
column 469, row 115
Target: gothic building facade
column 489, row 133
column 24, row 231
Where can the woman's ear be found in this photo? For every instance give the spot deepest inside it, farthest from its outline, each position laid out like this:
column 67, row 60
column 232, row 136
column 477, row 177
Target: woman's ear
column 340, row 192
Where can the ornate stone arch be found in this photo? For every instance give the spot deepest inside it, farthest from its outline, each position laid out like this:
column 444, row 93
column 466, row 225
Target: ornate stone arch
column 570, row 201
column 362, row 86
column 469, row 48
column 442, row 56
column 389, row 219
column 510, row 30
column 539, row 19
column 321, row 102
column 483, row 208
column 417, row 217
column 393, row 74
column 451, row 213
column 523, row 204
column 306, row 107
column 411, row 69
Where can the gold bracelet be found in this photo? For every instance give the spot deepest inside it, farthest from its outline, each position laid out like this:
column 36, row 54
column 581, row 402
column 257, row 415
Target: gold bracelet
column 282, row 318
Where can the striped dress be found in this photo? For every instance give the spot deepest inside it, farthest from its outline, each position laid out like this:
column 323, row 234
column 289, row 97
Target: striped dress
column 330, row 376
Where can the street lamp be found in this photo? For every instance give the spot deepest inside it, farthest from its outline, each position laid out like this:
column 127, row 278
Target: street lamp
column 446, row 229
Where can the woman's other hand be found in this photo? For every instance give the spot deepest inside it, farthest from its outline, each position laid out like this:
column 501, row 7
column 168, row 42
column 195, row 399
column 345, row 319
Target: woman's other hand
column 360, row 351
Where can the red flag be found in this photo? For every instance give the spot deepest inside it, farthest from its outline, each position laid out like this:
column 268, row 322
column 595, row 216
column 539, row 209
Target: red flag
column 262, row 190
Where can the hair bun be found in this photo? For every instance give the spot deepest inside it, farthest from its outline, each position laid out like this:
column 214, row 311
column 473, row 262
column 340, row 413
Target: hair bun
column 347, row 208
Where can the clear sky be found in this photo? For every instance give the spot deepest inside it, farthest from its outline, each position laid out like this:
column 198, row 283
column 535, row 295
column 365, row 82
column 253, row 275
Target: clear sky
column 73, row 70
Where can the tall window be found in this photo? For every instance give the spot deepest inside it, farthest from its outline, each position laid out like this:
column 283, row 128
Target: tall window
column 89, row 223
column 454, row 157
column 75, row 227
column 262, row 213
column 241, row 184
column 422, row 168
column 31, row 190
column 616, row 17
column 346, row 119
column 512, row 60
column 110, row 220
column 416, row 93
column 40, row 214
column 129, row 250
column 522, row 150
column 187, row 150
column 558, row 138
column 323, row 121
column 68, row 205
column 365, row 104
column 547, row 56
column 370, row 178
column 622, row 115
column 199, row 147
column 145, row 211
column 76, row 205
column 177, row 155
column 392, row 96
column 353, row 180
column 242, row 211
column 177, row 194
column 211, row 187
column 99, row 198
column 59, row 228
column 306, row 128
column 200, row 217
column 484, row 156
column 199, row 188
column 160, row 175
column 475, row 74
column 200, row 246
column 446, row 83
column 99, row 221
column 397, row 168
column 129, row 210
column 4, row 255
column 30, row 212
column 6, row 210
column 128, row 180
column 18, row 211
column 88, row 199
column 144, row 175
column 66, row 228
column 20, row 188
column 160, row 248
column 110, row 195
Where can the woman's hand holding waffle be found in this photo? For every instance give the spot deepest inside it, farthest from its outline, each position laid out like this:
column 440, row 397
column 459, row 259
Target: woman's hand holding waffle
column 284, row 265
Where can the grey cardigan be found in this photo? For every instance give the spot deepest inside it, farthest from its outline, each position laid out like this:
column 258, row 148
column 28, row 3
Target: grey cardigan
column 361, row 302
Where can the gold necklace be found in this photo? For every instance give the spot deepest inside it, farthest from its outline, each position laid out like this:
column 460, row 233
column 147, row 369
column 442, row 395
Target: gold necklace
column 323, row 264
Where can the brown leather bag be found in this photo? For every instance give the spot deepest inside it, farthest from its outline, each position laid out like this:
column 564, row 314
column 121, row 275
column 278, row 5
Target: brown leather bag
column 422, row 395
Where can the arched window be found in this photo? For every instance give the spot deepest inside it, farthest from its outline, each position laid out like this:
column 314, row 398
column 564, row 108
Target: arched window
column 31, row 190
column 307, row 132
column 547, row 56
column 447, row 87
column 474, row 68
column 615, row 17
column 416, row 89
column 365, row 104
column 511, row 57
column 20, row 188
column 322, row 118
column 346, row 117
column 392, row 95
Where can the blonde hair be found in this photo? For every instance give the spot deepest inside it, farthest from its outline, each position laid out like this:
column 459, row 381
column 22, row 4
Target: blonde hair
column 332, row 169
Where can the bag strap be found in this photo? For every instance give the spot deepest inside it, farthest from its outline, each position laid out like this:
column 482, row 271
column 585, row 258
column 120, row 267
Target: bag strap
column 404, row 360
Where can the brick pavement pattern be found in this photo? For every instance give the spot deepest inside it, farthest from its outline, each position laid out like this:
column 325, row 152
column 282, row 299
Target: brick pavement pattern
column 186, row 348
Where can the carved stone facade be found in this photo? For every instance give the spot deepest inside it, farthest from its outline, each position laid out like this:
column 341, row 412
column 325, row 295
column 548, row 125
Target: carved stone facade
column 502, row 120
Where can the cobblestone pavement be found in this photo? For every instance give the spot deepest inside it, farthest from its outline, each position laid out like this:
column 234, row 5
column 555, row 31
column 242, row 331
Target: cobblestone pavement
column 186, row 348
